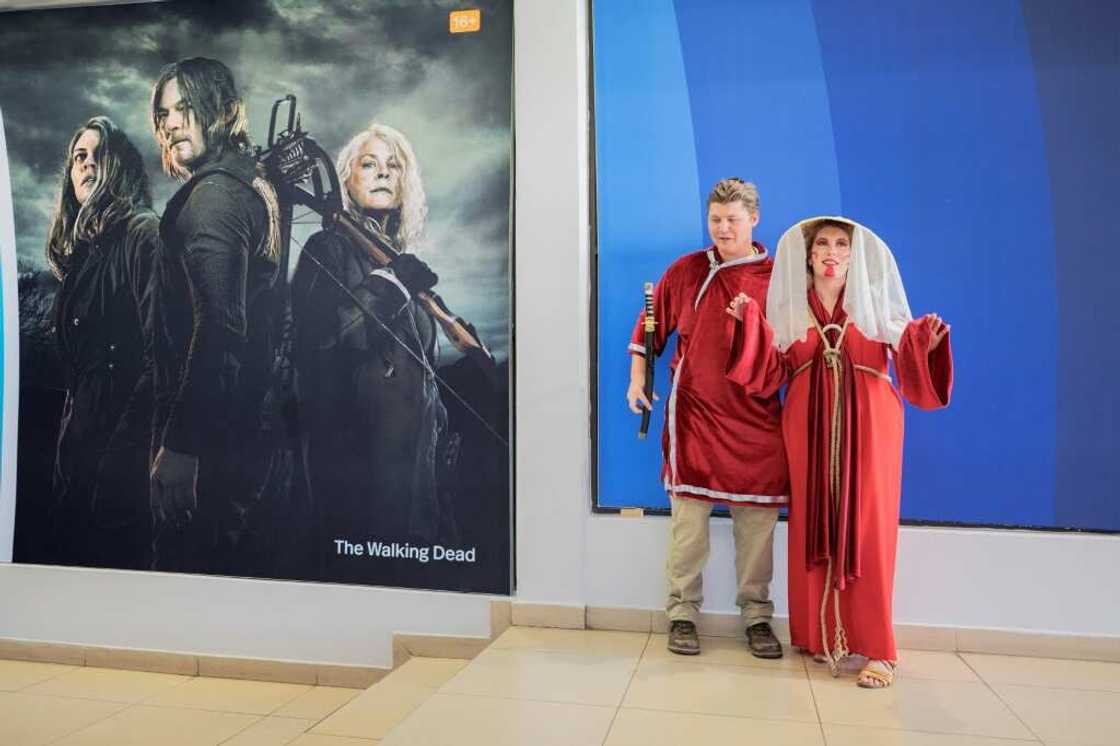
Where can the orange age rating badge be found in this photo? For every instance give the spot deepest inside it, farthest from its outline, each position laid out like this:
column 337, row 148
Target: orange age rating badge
column 465, row 21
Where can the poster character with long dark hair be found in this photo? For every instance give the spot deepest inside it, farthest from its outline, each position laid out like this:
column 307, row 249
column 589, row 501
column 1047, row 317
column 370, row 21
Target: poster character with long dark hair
column 221, row 247
column 102, row 247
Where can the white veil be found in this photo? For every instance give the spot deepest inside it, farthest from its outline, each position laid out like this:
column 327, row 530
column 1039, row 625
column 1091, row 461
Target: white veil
column 874, row 298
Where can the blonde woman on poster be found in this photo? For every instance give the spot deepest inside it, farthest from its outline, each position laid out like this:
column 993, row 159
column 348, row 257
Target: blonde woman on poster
column 366, row 352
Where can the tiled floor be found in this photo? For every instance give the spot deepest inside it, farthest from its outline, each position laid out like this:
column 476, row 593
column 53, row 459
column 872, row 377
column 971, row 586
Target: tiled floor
column 543, row 687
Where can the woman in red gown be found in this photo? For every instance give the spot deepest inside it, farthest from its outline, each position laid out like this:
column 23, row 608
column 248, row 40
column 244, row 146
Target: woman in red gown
column 837, row 316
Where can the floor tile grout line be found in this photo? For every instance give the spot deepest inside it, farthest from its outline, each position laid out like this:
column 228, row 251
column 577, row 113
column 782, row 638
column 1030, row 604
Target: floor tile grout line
column 1009, row 739
column 90, row 725
column 813, row 696
column 722, row 715
column 49, row 678
column 629, row 683
column 563, row 703
column 553, row 651
column 247, row 727
column 1000, row 699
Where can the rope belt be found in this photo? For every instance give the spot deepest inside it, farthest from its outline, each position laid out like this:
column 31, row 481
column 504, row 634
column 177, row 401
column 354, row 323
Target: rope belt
column 839, row 649
column 862, row 368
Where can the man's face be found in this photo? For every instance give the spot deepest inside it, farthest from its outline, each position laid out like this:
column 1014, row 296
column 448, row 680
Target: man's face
column 179, row 127
column 83, row 165
column 375, row 177
column 730, row 226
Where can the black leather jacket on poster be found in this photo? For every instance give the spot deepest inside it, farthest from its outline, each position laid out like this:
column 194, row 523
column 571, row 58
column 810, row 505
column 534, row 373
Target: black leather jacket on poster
column 373, row 414
column 218, row 316
column 104, row 318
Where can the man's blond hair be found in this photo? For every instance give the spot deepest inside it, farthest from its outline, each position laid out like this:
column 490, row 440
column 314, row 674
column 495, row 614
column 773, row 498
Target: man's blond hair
column 735, row 190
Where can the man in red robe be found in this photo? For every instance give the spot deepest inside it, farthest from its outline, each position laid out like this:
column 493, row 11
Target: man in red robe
column 720, row 445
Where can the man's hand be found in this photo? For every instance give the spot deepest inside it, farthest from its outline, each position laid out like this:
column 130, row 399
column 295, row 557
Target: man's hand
column 938, row 329
column 735, row 308
column 174, row 485
column 636, row 397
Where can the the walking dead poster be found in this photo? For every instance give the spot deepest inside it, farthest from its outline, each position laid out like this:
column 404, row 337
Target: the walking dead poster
column 264, row 315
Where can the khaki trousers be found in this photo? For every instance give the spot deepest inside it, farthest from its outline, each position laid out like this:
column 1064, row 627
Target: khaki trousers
column 753, row 529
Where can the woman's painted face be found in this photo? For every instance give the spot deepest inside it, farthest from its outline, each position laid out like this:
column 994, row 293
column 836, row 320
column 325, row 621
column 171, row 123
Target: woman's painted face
column 830, row 253
column 83, row 165
column 375, row 177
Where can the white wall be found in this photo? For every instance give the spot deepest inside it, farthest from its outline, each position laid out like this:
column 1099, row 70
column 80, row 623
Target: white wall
column 976, row 578
column 565, row 555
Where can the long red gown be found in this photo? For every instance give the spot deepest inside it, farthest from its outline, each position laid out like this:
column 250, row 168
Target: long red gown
column 925, row 379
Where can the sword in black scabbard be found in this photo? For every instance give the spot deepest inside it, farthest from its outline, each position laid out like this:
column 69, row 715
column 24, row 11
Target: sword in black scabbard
column 650, row 326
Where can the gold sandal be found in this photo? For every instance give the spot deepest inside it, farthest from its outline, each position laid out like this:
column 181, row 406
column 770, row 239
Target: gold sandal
column 877, row 670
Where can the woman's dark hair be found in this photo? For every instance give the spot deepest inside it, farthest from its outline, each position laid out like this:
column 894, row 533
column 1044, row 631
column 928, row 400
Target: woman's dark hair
column 121, row 189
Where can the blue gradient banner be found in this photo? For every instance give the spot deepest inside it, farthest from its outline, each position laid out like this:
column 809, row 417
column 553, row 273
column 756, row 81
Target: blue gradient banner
column 974, row 138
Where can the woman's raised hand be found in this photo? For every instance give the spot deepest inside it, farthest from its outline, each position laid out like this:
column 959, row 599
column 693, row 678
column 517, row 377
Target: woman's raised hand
column 735, row 307
column 938, row 329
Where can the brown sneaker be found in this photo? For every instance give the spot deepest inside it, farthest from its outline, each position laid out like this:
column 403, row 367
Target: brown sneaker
column 683, row 639
column 762, row 642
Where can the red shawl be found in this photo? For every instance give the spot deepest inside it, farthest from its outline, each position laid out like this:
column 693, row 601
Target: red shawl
column 832, row 514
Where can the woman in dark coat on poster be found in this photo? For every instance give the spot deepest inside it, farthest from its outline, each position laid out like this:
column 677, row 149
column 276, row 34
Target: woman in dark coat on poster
column 370, row 401
column 102, row 246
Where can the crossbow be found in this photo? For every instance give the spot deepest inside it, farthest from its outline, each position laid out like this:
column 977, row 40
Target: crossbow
column 304, row 174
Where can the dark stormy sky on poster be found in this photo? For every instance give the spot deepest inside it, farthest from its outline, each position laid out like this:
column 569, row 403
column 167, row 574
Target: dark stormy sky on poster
column 348, row 62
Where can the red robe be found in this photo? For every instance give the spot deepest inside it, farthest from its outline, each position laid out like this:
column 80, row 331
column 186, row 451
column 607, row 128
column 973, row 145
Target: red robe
column 720, row 443
column 865, row 557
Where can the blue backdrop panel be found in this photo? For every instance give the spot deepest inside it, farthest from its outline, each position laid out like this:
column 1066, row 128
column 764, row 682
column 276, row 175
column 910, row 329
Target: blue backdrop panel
column 675, row 119
column 1076, row 48
column 940, row 150
column 974, row 138
column 647, row 130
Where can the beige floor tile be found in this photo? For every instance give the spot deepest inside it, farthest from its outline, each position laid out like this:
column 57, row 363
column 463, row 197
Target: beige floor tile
column 723, row 650
column 453, row 720
column 711, row 689
column 311, row 739
column 549, row 615
column 856, row 735
column 649, row 728
column 439, row 646
column 1059, row 674
column 431, row 672
column 913, row 664
column 29, row 720
column 317, row 703
column 109, row 684
column 575, row 678
column 374, row 712
column 351, row 677
column 230, row 695
column 956, row 707
column 592, row 642
column 623, row 620
column 15, row 675
column 141, row 725
column 1064, row 715
column 252, row 669
column 271, row 731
